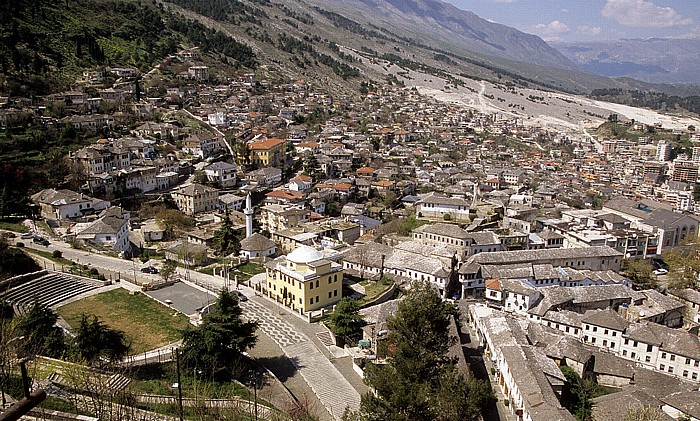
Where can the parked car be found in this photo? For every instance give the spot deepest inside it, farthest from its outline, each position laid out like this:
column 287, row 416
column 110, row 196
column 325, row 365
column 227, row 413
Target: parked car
column 149, row 269
column 660, row 271
column 40, row 240
column 241, row 297
column 8, row 234
column 26, row 236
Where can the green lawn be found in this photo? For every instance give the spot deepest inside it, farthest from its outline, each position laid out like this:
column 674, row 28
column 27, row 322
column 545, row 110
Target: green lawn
column 147, row 323
column 374, row 289
column 15, row 225
column 251, row 268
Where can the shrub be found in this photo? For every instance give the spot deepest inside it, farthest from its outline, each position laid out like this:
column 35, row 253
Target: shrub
column 20, row 244
column 57, row 254
column 447, row 217
column 94, row 272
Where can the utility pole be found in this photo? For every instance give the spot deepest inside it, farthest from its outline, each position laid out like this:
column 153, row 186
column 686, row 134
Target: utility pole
column 179, row 385
column 255, row 392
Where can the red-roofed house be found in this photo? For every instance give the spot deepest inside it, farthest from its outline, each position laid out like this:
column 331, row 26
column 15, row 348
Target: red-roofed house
column 268, row 152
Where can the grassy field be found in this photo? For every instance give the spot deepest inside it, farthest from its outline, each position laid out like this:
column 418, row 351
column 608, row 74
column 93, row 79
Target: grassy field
column 374, row 289
column 15, row 225
column 147, row 323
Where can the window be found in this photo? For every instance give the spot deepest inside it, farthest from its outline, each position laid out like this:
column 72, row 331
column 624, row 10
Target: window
column 685, row 373
column 595, row 328
column 587, row 327
column 606, row 331
column 663, row 355
column 330, row 294
column 585, row 338
column 614, row 333
column 335, row 293
column 687, row 361
column 662, row 367
column 316, row 283
column 311, row 285
column 624, row 353
column 670, row 369
column 673, row 357
column 633, row 355
column 696, row 363
column 650, row 348
column 612, row 344
column 317, row 299
column 694, row 376
column 605, row 342
column 647, row 359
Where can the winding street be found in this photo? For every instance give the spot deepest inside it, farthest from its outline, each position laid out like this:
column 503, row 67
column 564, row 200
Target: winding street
column 293, row 335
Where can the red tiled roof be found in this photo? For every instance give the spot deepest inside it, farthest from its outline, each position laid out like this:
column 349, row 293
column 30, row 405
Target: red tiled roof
column 493, row 284
column 285, row 194
column 263, row 144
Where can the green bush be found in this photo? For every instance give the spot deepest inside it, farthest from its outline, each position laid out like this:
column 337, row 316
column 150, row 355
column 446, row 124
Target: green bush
column 57, row 254
column 20, row 244
column 447, row 217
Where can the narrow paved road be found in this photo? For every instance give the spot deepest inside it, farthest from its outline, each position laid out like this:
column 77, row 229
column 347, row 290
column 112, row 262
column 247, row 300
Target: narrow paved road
column 330, row 385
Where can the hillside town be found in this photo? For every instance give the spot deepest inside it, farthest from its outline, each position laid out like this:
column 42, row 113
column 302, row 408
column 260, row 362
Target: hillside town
column 536, row 235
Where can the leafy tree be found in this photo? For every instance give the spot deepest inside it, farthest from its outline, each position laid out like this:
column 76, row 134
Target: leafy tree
column 216, row 346
column 579, row 393
column 14, row 261
column 333, row 209
column 226, row 240
column 172, row 220
column 41, row 335
column 200, row 177
column 640, row 272
column 684, row 263
column 645, row 413
column 95, row 341
column 345, row 321
column 311, row 167
column 420, row 382
column 167, row 271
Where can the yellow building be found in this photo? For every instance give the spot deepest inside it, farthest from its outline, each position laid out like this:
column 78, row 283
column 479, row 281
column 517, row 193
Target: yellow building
column 304, row 280
column 267, row 152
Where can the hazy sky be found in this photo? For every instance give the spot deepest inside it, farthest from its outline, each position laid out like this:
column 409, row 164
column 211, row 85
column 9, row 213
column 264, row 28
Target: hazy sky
column 588, row 20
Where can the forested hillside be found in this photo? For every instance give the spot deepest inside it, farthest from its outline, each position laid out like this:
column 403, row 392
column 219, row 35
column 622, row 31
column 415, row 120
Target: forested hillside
column 45, row 44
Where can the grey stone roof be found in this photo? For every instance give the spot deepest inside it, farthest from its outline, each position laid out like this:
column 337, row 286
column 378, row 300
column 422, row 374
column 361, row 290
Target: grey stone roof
column 672, row 340
column 528, row 371
column 444, row 229
column 687, row 402
column 500, row 257
column 662, row 301
column 443, row 200
column 257, row 242
column 607, row 319
column 566, row 317
column 687, row 294
column 194, row 189
column 616, row 405
column 107, row 225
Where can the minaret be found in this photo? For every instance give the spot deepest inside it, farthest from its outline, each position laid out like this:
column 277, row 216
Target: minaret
column 248, row 211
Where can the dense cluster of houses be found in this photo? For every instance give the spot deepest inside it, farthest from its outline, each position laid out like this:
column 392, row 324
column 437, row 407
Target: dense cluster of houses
column 490, row 222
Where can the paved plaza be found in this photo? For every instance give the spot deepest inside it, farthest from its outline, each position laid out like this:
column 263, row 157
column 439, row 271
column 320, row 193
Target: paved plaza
column 185, row 298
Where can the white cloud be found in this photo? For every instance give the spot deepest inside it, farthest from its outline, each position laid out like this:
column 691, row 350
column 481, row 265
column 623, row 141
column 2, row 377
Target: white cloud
column 502, row 1
column 643, row 13
column 589, row 30
column 549, row 31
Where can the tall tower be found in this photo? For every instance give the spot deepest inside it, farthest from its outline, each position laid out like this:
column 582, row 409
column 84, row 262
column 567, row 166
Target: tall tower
column 663, row 150
column 248, row 211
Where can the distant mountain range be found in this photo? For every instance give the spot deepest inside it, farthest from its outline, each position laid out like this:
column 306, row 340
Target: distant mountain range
column 651, row 60
column 337, row 44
